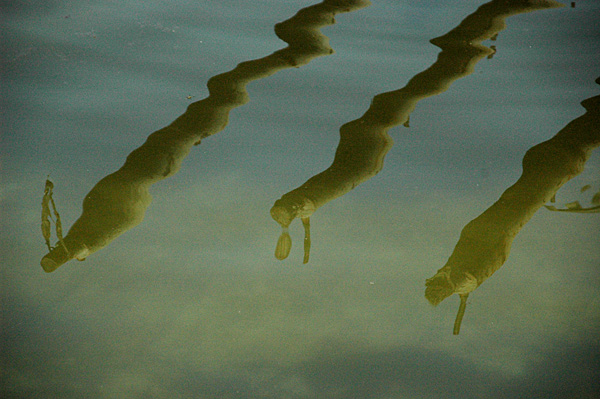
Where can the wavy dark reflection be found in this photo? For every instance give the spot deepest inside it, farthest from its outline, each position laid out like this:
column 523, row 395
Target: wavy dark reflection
column 365, row 142
column 484, row 243
column 118, row 202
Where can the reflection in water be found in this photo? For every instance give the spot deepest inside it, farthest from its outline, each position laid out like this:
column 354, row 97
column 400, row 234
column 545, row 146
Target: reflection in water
column 484, row 243
column 48, row 200
column 364, row 142
column 575, row 206
column 118, row 202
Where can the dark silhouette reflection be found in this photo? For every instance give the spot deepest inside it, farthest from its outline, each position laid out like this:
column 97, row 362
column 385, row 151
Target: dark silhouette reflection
column 484, row 243
column 118, row 202
column 364, row 142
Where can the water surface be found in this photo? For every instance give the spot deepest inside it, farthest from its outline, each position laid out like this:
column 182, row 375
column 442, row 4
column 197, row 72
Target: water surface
column 192, row 302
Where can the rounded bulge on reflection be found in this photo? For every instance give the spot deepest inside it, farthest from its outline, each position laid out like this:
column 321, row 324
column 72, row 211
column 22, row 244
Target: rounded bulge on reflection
column 58, row 256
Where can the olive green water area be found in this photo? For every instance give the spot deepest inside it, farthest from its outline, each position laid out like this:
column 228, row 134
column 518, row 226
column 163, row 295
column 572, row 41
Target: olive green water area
column 428, row 150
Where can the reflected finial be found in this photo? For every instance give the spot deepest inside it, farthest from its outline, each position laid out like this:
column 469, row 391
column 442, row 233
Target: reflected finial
column 284, row 244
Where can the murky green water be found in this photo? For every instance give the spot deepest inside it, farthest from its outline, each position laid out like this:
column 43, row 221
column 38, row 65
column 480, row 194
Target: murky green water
column 198, row 134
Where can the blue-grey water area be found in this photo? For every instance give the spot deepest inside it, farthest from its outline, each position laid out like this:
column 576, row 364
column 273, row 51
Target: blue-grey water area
column 385, row 126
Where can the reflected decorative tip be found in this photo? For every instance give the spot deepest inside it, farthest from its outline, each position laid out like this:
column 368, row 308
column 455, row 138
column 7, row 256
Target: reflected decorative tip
column 59, row 255
column 284, row 245
column 438, row 289
column 48, row 264
column 281, row 215
column 56, row 257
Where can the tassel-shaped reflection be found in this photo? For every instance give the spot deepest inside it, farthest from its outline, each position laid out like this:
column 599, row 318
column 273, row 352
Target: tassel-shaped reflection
column 46, row 215
column 48, row 200
column 118, row 202
column 484, row 243
column 284, row 244
column 365, row 142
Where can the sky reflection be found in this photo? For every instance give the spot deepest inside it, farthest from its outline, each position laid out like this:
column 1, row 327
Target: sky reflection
column 192, row 303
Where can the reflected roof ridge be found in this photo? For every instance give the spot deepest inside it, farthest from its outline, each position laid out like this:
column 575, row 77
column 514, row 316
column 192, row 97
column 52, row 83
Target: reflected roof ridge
column 485, row 242
column 365, row 142
column 118, row 202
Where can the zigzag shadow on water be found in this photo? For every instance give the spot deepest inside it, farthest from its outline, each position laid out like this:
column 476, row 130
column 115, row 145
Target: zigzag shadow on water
column 485, row 242
column 365, row 142
column 119, row 201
